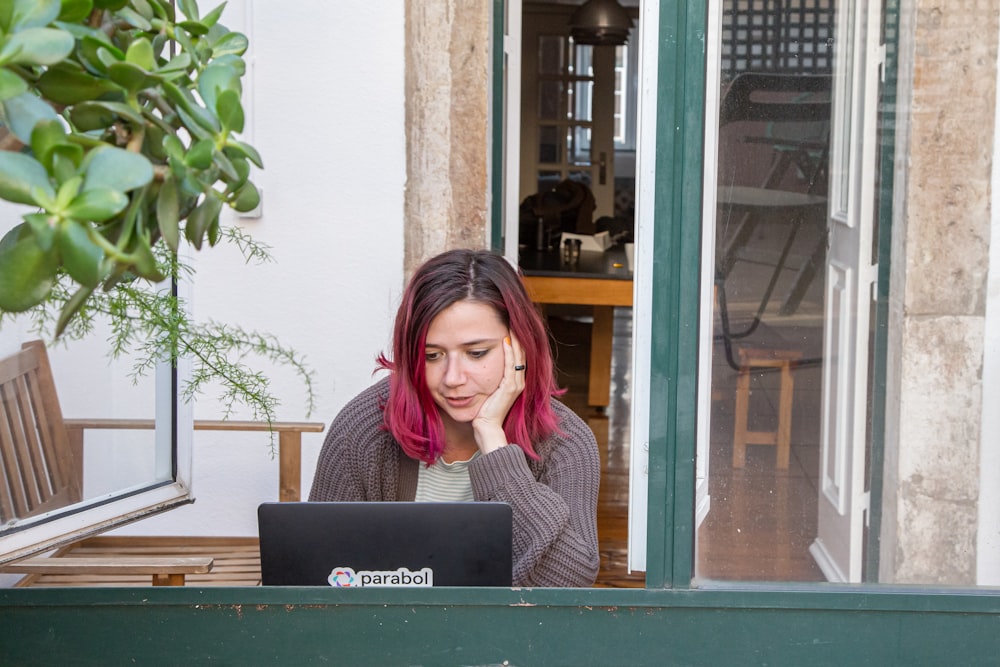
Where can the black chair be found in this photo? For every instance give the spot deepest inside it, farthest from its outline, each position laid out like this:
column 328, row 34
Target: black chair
column 789, row 116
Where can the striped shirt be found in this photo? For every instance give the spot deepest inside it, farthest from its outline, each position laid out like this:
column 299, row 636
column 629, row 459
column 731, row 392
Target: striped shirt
column 445, row 482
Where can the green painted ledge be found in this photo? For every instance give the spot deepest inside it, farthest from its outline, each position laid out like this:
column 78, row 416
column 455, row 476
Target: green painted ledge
column 746, row 625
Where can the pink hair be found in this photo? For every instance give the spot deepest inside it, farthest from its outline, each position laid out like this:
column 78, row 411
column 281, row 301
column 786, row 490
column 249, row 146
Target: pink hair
column 475, row 275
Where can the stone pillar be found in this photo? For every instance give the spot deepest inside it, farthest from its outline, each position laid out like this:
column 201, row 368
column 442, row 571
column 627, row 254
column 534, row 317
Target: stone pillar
column 448, row 83
column 941, row 231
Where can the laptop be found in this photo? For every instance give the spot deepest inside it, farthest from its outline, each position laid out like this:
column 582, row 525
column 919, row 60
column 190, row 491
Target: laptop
column 386, row 544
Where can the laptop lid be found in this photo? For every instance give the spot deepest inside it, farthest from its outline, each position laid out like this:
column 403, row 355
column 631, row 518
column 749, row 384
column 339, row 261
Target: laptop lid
column 349, row 544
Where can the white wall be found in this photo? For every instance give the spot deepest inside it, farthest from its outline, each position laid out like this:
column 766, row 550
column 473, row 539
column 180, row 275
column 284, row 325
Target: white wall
column 324, row 93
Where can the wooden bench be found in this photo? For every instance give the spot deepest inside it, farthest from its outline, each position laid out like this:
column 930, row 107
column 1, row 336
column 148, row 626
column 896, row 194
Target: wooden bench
column 41, row 456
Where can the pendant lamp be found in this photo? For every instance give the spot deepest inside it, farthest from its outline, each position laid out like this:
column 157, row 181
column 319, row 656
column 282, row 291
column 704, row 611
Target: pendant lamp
column 600, row 22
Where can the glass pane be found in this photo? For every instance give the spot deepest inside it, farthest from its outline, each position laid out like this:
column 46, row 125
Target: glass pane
column 581, row 106
column 582, row 62
column 551, row 51
column 549, row 148
column 579, row 144
column 550, row 100
column 770, row 241
column 112, row 438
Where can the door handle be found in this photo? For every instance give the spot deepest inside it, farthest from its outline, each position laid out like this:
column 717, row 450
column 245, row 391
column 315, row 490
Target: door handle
column 602, row 173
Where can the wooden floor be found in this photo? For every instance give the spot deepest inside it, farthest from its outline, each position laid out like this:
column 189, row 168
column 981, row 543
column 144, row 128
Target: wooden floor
column 761, row 520
column 571, row 332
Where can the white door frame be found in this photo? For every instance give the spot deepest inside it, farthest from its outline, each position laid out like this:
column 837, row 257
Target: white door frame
column 850, row 281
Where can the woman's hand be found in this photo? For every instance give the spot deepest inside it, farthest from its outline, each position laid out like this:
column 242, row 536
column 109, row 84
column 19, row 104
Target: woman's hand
column 487, row 426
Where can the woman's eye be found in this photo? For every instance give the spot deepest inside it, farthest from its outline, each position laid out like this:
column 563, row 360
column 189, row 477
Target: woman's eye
column 478, row 354
column 432, row 356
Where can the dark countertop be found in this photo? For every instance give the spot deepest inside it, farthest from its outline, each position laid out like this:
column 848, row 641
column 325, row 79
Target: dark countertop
column 611, row 263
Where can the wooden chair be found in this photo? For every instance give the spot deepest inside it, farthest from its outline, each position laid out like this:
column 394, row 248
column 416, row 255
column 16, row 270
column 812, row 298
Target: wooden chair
column 784, row 361
column 41, row 456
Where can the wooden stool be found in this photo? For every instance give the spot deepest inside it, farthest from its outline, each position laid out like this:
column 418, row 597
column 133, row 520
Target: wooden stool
column 750, row 358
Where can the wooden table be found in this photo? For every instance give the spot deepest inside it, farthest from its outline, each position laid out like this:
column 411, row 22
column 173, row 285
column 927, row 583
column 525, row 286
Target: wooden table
column 601, row 280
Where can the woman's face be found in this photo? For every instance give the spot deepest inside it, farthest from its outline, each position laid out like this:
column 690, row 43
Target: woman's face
column 464, row 358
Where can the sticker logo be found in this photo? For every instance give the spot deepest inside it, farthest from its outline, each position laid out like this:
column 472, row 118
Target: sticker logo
column 341, row 577
column 345, row 577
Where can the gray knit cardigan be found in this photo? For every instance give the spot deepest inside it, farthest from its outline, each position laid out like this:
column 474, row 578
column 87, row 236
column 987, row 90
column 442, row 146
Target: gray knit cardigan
column 554, row 499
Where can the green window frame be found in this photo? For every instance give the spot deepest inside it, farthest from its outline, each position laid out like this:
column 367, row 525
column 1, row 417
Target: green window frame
column 668, row 622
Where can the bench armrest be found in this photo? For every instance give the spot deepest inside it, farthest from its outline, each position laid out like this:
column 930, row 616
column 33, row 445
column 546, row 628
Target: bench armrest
column 289, row 442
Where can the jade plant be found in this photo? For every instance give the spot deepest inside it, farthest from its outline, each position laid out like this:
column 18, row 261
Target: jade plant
column 120, row 139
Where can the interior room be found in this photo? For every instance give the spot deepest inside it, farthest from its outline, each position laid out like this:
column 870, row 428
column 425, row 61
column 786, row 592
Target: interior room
column 761, row 445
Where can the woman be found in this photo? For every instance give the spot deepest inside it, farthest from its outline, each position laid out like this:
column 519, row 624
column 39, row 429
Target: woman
column 467, row 413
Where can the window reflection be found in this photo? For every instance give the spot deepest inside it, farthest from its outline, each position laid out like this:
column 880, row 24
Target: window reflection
column 770, row 242
column 76, row 428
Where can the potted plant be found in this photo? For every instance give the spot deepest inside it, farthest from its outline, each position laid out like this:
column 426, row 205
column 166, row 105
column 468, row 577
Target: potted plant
column 121, row 138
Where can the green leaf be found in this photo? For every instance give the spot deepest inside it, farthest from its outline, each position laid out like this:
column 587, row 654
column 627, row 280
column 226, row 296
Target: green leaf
column 232, row 61
column 66, row 158
column 129, row 76
column 69, row 84
column 214, row 232
column 11, row 85
column 152, row 144
column 140, row 53
column 211, row 18
column 110, row 4
column 43, row 227
column 188, row 46
column 194, row 126
column 45, row 201
column 232, row 43
column 81, row 257
column 174, row 147
column 236, row 148
column 214, row 80
column 195, row 28
column 201, row 218
column 162, row 10
column 242, row 168
column 44, row 138
column 200, row 154
column 168, row 213
column 97, row 204
column 179, row 64
column 97, row 53
column 247, row 198
column 116, row 169
column 71, row 308
column 145, row 261
column 230, row 111
column 33, row 14
column 87, row 116
column 36, row 46
column 91, row 116
column 189, row 8
column 135, row 19
column 74, row 11
column 25, row 111
column 19, row 174
column 27, row 273
column 67, row 193
column 225, row 165
column 194, row 116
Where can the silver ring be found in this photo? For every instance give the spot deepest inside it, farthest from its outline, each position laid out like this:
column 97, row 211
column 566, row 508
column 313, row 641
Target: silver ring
column 520, row 367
